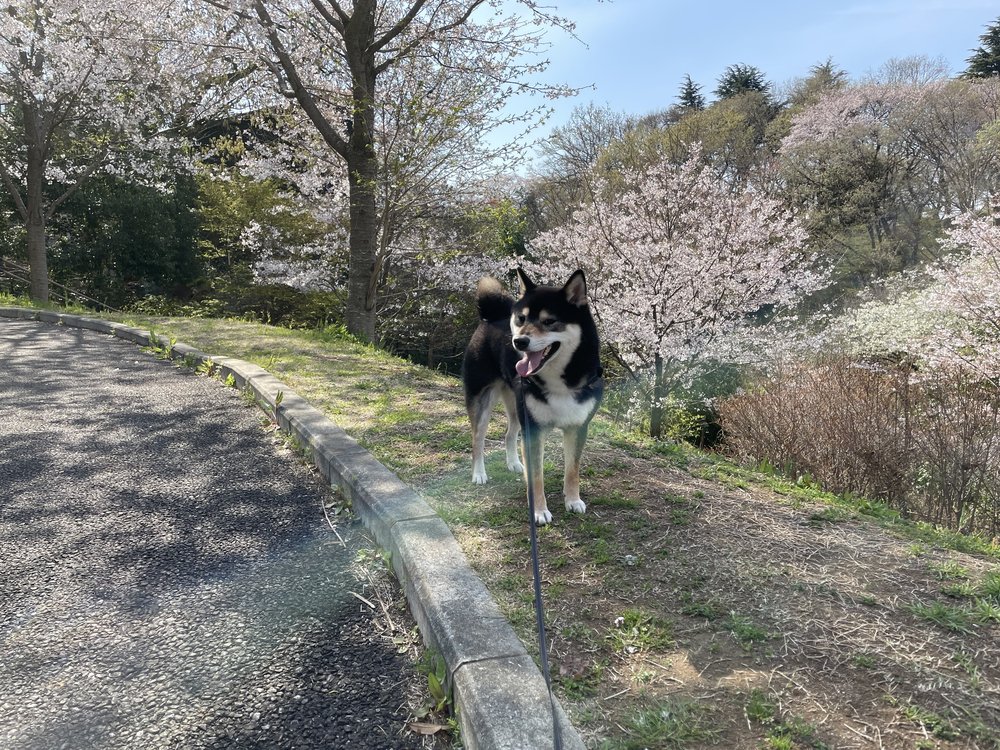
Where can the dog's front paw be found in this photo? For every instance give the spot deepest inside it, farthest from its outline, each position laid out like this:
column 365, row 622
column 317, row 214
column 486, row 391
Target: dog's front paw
column 576, row 506
column 516, row 466
column 542, row 517
column 479, row 476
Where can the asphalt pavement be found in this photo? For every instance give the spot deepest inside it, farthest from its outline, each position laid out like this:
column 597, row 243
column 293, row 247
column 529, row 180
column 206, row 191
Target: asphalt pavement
column 168, row 578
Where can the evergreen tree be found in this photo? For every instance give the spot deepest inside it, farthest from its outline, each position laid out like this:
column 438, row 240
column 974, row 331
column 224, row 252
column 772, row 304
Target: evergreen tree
column 823, row 78
column 985, row 60
column 739, row 79
column 690, row 96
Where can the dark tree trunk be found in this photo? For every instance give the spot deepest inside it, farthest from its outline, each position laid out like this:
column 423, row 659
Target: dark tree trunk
column 37, row 261
column 656, row 413
column 35, row 225
column 362, row 174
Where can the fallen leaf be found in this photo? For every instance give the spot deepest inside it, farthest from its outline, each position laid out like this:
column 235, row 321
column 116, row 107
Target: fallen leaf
column 420, row 727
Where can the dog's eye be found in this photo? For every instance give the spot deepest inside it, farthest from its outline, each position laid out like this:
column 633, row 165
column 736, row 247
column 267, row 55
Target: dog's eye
column 519, row 319
column 549, row 322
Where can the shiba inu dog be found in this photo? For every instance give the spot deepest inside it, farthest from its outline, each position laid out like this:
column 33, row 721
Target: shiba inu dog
column 546, row 343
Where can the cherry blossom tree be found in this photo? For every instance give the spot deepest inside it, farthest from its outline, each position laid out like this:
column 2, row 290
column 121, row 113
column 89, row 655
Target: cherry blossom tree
column 892, row 158
column 677, row 260
column 81, row 82
column 944, row 317
column 389, row 84
column 967, row 287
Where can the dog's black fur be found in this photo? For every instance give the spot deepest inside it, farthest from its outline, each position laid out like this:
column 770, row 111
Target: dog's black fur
column 550, row 334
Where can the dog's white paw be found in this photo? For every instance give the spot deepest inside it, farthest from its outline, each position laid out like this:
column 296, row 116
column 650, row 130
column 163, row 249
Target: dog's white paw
column 516, row 466
column 542, row 518
column 576, row 506
column 479, row 476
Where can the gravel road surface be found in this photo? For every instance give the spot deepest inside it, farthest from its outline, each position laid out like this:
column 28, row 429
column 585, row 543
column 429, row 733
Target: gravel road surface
column 167, row 576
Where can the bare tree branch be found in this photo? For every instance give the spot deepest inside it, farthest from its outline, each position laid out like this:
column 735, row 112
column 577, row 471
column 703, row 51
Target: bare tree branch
column 299, row 89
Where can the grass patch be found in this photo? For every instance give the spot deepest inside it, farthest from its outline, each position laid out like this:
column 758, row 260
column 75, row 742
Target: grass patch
column 830, row 515
column 744, row 631
column 637, row 630
column 707, row 608
column 672, row 723
column 788, row 733
column 949, row 571
column 989, row 587
column 945, row 616
column 614, row 499
column 930, row 721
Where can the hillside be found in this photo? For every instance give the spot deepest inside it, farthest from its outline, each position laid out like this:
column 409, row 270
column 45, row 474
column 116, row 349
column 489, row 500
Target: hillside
column 696, row 604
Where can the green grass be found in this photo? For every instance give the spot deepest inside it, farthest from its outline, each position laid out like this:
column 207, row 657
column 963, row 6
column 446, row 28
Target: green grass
column 938, row 726
column 709, row 609
column 760, row 708
column 744, row 631
column 638, row 630
column 719, row 468
column 949, row 571
column 945, row 616
column 613, row 499
column 989, row 587
column 788, row 733
column 674, row 723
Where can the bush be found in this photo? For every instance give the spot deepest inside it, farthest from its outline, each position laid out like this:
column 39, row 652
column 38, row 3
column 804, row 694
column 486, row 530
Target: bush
column 927, row 443
column 688, row 411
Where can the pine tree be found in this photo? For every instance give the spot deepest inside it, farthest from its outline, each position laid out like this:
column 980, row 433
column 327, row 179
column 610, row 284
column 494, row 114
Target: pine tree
column 690, row 95
column 985, row 60
column 739, row 79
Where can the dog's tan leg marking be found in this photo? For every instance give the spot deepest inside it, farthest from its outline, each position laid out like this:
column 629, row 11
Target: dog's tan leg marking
column 513, row 430
column 573, row 441
column 535, row 458
column 479, row 417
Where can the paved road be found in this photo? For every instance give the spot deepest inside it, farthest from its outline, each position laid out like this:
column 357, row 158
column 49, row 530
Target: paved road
column 167, row 576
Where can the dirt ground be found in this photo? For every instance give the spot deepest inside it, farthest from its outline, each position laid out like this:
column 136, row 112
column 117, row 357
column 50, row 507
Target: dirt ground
column 693, row 608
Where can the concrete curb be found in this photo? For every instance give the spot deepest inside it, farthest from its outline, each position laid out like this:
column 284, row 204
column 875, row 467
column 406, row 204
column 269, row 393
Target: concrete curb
column 499, row 692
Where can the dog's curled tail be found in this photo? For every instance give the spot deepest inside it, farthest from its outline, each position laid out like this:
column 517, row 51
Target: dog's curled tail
column 493, row 300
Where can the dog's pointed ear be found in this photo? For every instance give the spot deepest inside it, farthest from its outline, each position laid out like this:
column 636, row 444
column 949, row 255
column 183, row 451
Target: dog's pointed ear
column 576, row 289
column 526, row 284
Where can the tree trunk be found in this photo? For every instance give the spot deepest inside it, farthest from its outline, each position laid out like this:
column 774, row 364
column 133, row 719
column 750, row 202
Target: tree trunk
column 35, row 224
column 360, row 312
column 37, row 260
column 362, row 173
column 656, row 413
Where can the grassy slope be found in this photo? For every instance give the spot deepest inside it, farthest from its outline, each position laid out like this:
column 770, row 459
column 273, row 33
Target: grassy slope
column 696, row 604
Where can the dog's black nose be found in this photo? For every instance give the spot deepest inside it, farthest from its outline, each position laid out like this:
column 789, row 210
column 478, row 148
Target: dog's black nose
column 521, row 343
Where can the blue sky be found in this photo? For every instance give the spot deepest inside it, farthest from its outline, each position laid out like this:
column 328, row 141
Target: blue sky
column 636, row 52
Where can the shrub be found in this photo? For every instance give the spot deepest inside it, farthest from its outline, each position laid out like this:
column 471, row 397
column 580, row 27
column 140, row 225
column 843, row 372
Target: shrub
column 927, row 443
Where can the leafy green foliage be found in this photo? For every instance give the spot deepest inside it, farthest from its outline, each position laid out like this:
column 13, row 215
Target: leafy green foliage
column 228, row 205
column 117, row 241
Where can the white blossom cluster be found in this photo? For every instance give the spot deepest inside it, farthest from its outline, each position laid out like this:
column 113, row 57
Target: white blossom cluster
column 941, row 317
column 679, row 260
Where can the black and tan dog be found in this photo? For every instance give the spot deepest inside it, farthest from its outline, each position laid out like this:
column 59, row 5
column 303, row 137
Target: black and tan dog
column 546, row 339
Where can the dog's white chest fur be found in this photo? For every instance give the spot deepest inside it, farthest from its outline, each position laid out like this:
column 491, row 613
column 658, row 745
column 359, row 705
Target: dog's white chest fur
column 560, row 408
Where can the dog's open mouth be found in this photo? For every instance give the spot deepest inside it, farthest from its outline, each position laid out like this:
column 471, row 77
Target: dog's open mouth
column 532, row 362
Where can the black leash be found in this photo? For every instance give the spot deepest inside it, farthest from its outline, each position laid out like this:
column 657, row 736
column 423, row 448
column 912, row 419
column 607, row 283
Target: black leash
column 539, row 611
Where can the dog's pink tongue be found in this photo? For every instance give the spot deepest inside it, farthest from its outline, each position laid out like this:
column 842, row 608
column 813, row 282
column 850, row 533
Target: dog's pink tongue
column 528, row 363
